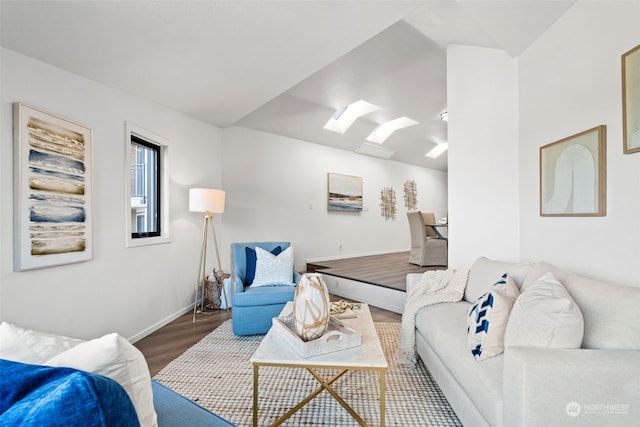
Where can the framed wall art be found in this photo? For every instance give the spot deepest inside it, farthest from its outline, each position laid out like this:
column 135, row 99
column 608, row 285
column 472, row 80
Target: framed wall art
column 631, row 100
column 573, row 175
column 344, row 192
column 52, row 190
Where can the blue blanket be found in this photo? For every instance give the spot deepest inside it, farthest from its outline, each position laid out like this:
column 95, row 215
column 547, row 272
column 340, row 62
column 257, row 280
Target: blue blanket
column 32, row 395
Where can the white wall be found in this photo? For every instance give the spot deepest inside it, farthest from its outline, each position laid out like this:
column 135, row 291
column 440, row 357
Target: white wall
column 277, row 190
column 122, row 290
column 482, row 101
column 570, row 81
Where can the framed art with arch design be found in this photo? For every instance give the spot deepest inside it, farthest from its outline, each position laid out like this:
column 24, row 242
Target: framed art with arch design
column 573, row 175
column 631, row 100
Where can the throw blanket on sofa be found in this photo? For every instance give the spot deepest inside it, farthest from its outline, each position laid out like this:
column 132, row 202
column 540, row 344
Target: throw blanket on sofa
column 435, row 287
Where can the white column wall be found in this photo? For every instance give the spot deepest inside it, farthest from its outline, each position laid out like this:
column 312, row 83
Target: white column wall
column 482, row 101
column 570, row 81
column 126, row 290
column 277, row 190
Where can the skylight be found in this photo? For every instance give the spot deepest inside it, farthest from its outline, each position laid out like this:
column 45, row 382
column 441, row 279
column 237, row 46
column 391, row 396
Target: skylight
column 344, row 117
column 384, row 131
column 437, row 150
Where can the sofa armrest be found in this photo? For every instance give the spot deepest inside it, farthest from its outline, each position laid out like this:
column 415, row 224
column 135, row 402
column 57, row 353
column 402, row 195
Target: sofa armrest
column 412, row 279
column 547, row 387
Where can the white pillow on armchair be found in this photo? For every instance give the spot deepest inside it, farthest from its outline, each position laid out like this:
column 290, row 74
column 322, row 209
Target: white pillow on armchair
column 273, row 269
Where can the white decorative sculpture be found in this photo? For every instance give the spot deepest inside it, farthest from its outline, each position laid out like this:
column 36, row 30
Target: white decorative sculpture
column 311, row 307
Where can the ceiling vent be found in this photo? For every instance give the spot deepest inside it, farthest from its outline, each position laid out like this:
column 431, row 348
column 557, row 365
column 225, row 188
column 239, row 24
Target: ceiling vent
column 375, row 150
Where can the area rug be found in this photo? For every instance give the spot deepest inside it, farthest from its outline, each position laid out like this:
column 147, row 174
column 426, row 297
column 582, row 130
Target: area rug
column 217, row 374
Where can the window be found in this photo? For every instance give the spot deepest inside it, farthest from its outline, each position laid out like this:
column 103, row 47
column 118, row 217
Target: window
column 146, row 185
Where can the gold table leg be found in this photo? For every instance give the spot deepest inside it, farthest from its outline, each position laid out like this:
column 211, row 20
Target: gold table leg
column 324, row 385
column 255, row 395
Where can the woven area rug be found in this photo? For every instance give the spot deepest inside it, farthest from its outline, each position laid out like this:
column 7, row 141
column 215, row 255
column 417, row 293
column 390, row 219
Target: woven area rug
column 217, row 374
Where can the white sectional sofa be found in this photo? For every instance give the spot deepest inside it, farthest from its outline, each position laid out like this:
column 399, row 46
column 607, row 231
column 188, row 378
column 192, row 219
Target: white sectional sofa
column 597, row 384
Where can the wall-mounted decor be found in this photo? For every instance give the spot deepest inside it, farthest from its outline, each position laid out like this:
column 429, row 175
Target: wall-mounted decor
column 410, row 195
column 631, row 100
column 573, row 175
column 52, row 191
column 344, row 192
column 388, row 203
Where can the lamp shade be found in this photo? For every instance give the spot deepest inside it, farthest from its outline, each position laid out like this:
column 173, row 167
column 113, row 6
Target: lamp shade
column 206, row 200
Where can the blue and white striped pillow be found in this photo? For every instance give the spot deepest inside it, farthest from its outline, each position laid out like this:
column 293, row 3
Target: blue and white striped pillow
column 487, row 319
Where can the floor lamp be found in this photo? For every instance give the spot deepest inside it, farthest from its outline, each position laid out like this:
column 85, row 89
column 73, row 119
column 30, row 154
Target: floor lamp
column 208, row 201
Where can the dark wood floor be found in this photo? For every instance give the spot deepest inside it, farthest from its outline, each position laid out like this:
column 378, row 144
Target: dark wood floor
column 388, row 270
column 170, row 341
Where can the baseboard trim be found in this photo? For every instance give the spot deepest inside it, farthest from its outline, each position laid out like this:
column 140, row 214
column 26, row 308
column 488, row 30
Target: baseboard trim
column 160, row 324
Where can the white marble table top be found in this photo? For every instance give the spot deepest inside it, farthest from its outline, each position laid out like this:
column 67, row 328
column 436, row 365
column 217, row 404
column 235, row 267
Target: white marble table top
column 275, row 350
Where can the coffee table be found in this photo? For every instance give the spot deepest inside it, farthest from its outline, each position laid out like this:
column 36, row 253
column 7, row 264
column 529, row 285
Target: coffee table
column 274, row 351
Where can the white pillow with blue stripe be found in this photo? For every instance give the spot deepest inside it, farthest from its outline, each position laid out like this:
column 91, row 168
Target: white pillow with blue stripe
column 487, row 319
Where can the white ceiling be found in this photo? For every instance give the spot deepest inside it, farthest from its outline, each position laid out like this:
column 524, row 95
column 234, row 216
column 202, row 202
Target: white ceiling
column 279, row 66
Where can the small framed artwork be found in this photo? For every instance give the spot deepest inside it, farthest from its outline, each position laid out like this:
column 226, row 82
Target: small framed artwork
column 573, row 175
column 631, row 100
column 344, row 192
column 52, row 191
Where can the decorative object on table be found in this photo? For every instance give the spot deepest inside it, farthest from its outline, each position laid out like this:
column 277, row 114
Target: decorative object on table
column 410, row 195
column 388, row 203
column 53, row 177
column 341, row 306
column 573, row 175
column 209, row 201
column 631, row 100
column 337, row 336
column 311, row 310
column 344, row 192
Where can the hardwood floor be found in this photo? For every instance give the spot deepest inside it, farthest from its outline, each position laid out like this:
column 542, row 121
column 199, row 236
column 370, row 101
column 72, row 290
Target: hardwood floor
column 387, row 270
column 173, row 339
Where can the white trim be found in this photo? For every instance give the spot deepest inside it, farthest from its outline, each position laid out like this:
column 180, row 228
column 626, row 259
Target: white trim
column 165, row 223
column 379, row 296
column 151, row 329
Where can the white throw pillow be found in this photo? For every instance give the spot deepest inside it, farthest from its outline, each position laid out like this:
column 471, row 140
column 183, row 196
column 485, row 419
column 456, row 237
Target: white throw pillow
column 484, row 271
column 24, row 345
column 487, row 319
column 111, row 356
column 273, row 269
column 545, row 315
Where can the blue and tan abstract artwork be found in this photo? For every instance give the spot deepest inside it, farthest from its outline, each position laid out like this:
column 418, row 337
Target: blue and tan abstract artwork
column 345, row 192
column 53, row 206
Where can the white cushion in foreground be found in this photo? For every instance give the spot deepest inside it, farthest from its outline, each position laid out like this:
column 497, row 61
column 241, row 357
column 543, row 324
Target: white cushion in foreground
column 111, row 356
column 545, row 315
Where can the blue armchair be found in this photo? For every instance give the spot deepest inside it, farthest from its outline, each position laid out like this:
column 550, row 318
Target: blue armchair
column 255, row 307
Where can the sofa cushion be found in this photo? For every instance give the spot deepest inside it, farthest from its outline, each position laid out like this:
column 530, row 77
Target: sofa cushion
column 610, row 312
column 487, row 319
column 443, row 326
column 483, row 274
column 264, row 295
column 545, row 315
column 273, row 269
